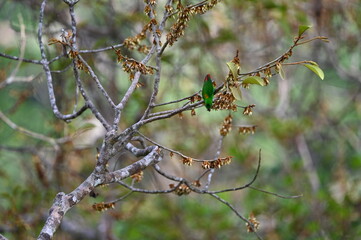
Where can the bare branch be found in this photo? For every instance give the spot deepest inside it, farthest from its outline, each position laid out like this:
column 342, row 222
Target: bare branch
column 47, row 71
column 246, row 185
column 16, row 58
column 35, row 135
column 218, row 152
column 177, row 152
column 64, row 202
column 89, row 103
column 130, row 90
column 11, row 78
column 276, row 194
column 166, row 175
column 2, row 237
column 137, row 151
column 152, row 158
column 236, row 212
column 139, row 190
column 85, row 51
column 101, row 49
column 97, row 82
column 308, row 164
column 175, row 101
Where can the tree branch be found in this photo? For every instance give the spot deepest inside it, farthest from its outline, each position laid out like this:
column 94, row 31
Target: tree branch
column 64, row 202
column 236, row 212
column 2, row 237
column 246, row 185
column 154, row 157
column 45, row 63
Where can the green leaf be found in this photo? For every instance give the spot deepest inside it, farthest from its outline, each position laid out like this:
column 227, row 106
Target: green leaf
column 302, row 29
column 233, row 68
column 316, row 69
column 236, row 92
column 254, row 80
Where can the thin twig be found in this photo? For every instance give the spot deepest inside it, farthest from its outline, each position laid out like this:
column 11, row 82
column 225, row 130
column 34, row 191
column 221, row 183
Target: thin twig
column 275, row 194
column 97, row 82
column 246, row 185
column 166, row 175
column 29, row 133
column 119, row 108
column 322, row 38
column 101, row 49
column 236, row 212
column 11, row 78
column 174, row 151
column 218, row 152
column 89, row 103
column 16, row 58
column 146, row 191
column 45, row 63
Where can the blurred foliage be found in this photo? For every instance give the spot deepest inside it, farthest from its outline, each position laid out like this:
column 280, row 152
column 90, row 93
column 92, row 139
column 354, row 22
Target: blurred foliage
column 297, row 118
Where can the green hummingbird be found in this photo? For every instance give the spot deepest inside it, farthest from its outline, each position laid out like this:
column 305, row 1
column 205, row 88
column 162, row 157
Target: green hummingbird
column 208, row 92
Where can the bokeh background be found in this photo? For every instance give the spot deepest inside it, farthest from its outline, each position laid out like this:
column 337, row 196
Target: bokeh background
column 309, row 130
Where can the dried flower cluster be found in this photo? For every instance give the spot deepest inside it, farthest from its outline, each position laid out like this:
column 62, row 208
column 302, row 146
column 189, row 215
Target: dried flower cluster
column 182, row 189
column 73, row 54
column 225, row 101
column 137, row 176
column 103, row 206
column 195, row 98
column 187, row 161
column 226, row 126
column 184, row 15
column 196, row 183
column 81, row 66
column 248, row 110
column 151, row 2
column 149, row 7
column 134, row 42
column 236, row 60
column 169, row 9
column 266, row 80
column 231, row 83
column 216, row 163
column 177, row 30
column 252, row 219
column 131, row 66
column 65, row 39
column 56, row 41
column 202, row 8
column 180, row 115
column 246, row 130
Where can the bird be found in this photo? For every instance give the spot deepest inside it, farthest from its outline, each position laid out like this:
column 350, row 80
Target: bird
column 208, row 92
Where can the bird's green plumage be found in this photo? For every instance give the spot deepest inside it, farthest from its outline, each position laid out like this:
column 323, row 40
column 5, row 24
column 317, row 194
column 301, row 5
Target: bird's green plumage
column 208, row 92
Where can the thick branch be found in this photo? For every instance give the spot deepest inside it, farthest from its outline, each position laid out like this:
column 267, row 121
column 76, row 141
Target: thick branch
column 154, row 157
column 64, row 202
column 138, row 151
